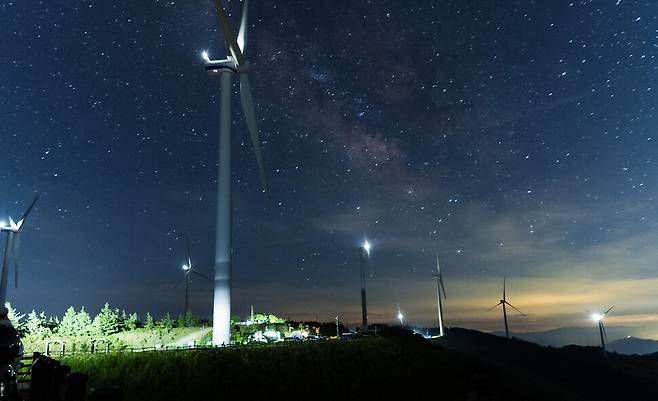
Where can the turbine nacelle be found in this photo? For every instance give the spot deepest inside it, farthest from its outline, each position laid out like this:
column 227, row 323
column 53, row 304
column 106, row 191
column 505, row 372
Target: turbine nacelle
column 12, row 226
column 217, row 67
column 366, row 247
column 596, row 317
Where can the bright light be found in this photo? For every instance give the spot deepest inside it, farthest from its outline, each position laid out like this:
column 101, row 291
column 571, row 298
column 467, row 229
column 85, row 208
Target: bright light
column 204, row 55
column 400, row 316
column 186, row 267
column 597, row 317
column 366, row 246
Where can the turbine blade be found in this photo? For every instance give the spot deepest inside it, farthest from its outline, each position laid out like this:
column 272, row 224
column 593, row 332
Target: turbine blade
column 250, row 116
column 442, row 287
column 605, row 335
column 609, row 309
column 229, row 33
column 201, row 275
column 16, row 245
column 242, row 33
column 504, row 280
column 494, row 307
column 12, row 223
column 189, row 255
column 181, row 280
column 27, row 212
column 438, row 267
column 513, row 307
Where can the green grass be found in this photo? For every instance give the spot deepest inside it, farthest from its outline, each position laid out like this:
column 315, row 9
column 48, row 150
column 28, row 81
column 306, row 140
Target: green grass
column 398, row 366
column 373, row 367
column 137, row 338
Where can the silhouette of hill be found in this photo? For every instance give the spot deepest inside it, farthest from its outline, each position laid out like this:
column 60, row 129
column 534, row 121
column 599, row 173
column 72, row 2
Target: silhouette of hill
column 577, row 372
column 464, row 365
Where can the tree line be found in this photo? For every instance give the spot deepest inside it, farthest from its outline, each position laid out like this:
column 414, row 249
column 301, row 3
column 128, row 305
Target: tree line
column 81, row 324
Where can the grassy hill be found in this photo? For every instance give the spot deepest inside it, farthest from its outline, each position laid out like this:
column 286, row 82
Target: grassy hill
column 464, row 365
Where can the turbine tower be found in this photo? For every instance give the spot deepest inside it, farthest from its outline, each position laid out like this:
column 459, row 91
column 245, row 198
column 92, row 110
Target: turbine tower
column 189, row 270
column 439, row 289
column 12, row 247
column 599, row 320
column 234, row 64
column 363, row 251
column 505, row 303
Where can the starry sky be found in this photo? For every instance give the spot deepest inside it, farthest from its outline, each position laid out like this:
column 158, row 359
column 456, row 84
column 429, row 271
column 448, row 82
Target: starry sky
column 512, row 138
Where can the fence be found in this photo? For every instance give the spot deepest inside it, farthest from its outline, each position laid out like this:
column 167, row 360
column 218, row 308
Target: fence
column 63, row 351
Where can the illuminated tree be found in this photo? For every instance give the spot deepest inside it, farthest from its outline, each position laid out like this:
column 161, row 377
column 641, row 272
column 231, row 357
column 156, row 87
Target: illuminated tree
column 107, row 321
column 37, row 325
column 83, row 322
column 132, row 321
column 15, row 317
column 69, row 324
column 166, row 322
column 150, row 322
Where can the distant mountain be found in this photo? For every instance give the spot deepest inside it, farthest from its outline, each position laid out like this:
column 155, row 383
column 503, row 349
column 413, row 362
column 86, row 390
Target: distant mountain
column 633, row 346
column 585, row 336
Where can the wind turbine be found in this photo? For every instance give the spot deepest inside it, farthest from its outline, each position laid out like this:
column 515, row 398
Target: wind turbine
column 505, row 303
column 12, row 247
column 439, row 288
column 599, row 320
column 234, row 64
column 189, row 270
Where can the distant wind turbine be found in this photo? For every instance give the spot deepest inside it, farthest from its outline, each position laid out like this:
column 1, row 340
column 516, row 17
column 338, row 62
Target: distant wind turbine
column 599, row 320
column 12, row 247
column 189, row 270
column 439, row 289
column 234, row 64
column 505, row 303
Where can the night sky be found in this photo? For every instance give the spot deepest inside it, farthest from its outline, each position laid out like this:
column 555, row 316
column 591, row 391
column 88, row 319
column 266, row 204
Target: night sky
column 514, row 138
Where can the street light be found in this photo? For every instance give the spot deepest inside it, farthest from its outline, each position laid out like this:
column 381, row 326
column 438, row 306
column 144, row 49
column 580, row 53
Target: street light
column 363, row 251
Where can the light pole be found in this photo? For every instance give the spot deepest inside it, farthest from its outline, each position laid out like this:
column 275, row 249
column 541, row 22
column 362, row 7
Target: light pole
column 337, row 328
column 363, row 251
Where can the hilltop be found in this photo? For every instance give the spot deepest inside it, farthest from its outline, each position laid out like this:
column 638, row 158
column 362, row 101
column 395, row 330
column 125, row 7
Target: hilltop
column 463, row 365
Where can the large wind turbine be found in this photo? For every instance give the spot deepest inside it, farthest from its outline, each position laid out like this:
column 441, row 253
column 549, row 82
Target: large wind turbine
column 189, row 270
column 505, row 303
column 12, row 245
column 599, row 320
column 234, row 64
column 439, row 289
